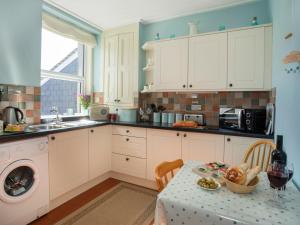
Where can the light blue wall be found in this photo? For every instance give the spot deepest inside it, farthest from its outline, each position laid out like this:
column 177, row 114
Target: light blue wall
column 286, row 19
column 231, row 17
column 20, row 41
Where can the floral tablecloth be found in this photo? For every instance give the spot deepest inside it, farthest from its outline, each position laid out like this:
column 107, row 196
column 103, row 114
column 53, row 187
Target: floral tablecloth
column 183, row 202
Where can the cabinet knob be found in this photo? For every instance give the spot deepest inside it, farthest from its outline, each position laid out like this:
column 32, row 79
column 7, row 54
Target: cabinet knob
column 191, row 86
column 127, row 159
column 127, row 131
column 183, row 86
column 228, row 139
column 184, row 135
column 230, row 85
column 52, row 138
column 127, row 139
column 177, row 134
column 92, row 131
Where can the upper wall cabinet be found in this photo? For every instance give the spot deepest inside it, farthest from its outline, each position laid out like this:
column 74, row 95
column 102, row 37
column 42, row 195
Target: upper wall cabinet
column 234, row 60
column 208, row 62
column 121, row 65
column 171, row 63
column 246, row 58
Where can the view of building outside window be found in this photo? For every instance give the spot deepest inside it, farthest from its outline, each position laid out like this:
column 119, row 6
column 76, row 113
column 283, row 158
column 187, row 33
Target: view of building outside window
column 62, row 75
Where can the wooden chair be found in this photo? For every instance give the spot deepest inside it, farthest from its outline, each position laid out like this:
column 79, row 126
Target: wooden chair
column 259, row 154
column 162, row 170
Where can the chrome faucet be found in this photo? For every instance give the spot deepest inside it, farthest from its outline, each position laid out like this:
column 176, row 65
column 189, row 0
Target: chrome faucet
column 54, row 109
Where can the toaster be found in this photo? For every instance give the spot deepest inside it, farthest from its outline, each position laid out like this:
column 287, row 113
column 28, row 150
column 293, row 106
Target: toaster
column 99, row 112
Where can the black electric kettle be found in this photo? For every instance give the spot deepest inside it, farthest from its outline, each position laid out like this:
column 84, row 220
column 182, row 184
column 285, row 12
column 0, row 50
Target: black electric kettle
column 12, row 115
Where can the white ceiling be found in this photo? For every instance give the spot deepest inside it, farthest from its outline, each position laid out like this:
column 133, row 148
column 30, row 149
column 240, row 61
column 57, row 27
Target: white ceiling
column 111, row 13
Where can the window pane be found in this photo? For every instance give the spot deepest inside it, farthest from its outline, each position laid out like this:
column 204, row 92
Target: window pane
column 60, row 93
column 60, row 54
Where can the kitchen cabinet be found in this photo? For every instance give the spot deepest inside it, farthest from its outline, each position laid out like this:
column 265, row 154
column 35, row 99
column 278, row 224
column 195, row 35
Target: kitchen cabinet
column 233, row 60
column 208, row 62
column 121, row 64
column 246, row 53
column 171, row 64
column 99, row 153
column 202, row 147
column 235, row 148
column 68, row 161
column 161, row 146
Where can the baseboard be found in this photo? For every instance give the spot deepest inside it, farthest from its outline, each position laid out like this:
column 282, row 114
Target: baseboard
column 134, row 180
column 77, row 191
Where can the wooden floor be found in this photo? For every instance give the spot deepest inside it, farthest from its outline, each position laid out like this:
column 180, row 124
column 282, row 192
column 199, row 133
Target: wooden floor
column 75, row 203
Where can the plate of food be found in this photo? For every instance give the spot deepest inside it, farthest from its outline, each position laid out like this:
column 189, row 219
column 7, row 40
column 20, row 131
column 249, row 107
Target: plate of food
column 208, row 183
column 212, row 169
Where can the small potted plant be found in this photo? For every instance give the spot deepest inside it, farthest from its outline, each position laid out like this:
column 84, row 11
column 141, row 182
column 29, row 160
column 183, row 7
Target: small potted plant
column 85, row 101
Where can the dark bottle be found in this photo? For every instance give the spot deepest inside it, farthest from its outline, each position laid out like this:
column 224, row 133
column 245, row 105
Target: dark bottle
column 278, row 154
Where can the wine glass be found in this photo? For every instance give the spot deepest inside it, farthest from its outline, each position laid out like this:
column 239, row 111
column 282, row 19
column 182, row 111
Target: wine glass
column 278, row 176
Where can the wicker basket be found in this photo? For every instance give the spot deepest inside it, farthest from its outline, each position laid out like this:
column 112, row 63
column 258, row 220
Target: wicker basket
column 242, row 189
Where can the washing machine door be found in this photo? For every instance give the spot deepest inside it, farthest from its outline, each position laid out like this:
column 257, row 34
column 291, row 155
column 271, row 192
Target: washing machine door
column 18, row 181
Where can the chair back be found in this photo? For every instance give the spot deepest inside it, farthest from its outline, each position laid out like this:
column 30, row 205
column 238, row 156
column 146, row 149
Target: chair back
column 259, row 154
column 162, row 171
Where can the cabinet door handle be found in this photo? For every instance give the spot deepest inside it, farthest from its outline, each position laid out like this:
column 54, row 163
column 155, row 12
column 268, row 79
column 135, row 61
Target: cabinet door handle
column 230, row 85
column 183, row 86
column 184, row 135
column 177, row 134
column 228, row 139
column 92, row 131
column 127, row 139
column 127, row 159
column 52, row 138
column 191, row 85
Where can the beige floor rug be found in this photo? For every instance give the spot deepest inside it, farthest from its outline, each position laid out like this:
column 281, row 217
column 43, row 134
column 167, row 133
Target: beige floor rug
column 124, row 204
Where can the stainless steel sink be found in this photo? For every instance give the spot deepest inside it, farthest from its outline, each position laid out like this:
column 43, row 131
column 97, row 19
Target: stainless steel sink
column 48, row 126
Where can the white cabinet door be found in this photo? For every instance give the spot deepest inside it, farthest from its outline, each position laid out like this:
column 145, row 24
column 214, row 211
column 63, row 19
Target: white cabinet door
column 171, row 65
column 202, row 147
column 99, row 151
column 208, row 62
column 68, row 161
column 235, row 148
column 161, row 146
column 111, row 69
column 125, row 68
column 246, row 53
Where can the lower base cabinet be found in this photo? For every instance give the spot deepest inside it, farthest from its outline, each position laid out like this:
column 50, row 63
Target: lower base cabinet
column 235, row 148
column 129, row 165
column 68, row 161
column 161, row 146
column 202, row 147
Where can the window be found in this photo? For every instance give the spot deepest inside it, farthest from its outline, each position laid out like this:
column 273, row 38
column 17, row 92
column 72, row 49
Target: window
column 62, row 73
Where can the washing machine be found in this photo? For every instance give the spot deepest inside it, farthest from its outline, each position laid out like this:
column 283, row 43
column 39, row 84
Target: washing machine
column 24, row 181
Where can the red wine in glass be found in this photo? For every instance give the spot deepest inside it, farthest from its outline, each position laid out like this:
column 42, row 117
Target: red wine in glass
column 277, row 179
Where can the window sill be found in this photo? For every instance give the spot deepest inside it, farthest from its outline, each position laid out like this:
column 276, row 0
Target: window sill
column 77, row 116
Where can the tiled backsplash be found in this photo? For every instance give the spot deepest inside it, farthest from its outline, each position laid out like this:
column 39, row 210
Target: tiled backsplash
column 210, row 102
column 25, row 98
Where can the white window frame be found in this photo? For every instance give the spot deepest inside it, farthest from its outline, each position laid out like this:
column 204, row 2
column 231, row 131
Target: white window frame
column 83, row 80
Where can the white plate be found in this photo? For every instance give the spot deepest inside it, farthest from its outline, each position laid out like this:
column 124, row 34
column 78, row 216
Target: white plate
column 209, row 189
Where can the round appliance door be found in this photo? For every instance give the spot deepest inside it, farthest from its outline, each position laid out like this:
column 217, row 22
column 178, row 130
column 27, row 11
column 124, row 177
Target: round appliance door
column 18, row 181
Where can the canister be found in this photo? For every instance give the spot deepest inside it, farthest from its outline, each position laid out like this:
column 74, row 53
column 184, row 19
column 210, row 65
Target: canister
column 178, row 117
column 156, row 117
column 171, row 117
column 164, row 117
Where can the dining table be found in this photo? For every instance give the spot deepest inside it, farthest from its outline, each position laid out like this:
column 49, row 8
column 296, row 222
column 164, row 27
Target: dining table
column 184, row 202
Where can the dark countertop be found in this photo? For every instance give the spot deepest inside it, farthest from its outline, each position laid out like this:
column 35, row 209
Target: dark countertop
column 7, row 137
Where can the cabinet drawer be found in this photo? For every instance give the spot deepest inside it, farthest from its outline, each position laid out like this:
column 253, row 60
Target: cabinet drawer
column 129, row 165
column 131, row 146
column 129, row 131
